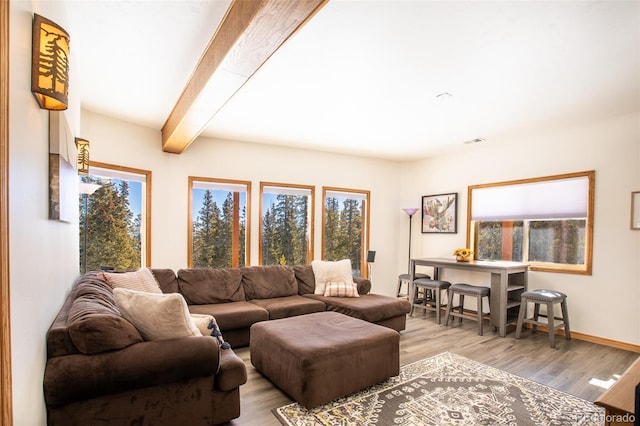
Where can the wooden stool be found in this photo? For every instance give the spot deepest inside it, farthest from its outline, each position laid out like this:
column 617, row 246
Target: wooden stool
column 463, row 290
column 404, row 278
column 432, row 295
column 550, row 298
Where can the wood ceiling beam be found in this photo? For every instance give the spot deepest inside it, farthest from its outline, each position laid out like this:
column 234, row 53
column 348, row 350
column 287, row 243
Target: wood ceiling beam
column 249, row 34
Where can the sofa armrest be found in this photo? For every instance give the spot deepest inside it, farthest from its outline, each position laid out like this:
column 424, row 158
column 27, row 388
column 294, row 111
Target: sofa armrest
column 80, row 377
column 364, row 285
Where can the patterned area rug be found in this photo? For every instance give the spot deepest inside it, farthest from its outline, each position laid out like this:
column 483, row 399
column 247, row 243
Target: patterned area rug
column 449, row 389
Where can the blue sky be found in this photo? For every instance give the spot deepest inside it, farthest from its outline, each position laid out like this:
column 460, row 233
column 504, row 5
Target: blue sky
column 218, row 198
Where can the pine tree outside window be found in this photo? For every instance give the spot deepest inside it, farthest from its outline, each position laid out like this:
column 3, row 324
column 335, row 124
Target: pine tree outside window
column 345, row 226
column 114, row 225
column 218, row 232
column 546, row 222
column 286, row 232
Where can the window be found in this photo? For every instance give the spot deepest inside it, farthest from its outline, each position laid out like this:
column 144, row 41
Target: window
column 115, row 218
column 345, row 227
column 286, row 232
column 546, row 222
column 218, row 222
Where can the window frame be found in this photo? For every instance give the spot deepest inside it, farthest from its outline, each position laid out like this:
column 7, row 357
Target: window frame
column 366, row 215
column 247, row 184
column 147, row 202
column 312, row 190
column 586, row 268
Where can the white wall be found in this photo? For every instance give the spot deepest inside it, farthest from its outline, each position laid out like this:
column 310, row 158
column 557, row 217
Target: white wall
column 604, row 304
column 118, row 142
column 43, row 253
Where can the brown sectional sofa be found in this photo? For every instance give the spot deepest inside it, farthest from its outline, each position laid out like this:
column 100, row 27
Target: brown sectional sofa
column 100, row 370
column 240, row 297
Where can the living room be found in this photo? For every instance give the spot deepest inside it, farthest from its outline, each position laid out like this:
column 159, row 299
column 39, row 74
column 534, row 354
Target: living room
column 44, row 254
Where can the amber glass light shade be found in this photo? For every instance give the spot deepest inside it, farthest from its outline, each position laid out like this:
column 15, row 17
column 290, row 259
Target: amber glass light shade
column 83, row 156
column 49, row 64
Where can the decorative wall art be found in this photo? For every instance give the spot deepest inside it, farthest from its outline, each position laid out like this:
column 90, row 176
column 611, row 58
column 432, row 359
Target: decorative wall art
column 62, row 168
column 440, row 213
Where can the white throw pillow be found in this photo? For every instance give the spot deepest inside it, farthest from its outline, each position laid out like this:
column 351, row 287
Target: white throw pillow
column 140, row 280
column 156, row 316
column 331, row 272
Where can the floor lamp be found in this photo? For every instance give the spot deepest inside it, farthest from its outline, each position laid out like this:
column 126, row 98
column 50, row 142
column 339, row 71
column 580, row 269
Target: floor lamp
column 410, row 212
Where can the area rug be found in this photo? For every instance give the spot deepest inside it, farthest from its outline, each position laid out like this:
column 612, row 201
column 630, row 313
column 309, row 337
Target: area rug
column 449, row 389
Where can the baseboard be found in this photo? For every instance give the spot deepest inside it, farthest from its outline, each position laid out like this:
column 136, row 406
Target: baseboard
column 587, row 338
column 593, row 339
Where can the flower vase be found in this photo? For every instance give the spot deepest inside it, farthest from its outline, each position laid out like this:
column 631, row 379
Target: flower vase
column 462, row 258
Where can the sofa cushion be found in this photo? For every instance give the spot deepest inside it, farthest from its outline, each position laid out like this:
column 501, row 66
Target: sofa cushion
column 335, row 272
column 156, row 316
column 341, row 290
column 266, row 282
column 140, row 280
column 201, row 286
column 306, row 279
column 94, row 322
column 289, row 306
column 167, row 280
column 368, row 307
column 232, row 315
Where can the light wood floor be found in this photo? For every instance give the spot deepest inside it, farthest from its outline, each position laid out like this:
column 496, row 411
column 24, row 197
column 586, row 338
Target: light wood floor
column 569, row 367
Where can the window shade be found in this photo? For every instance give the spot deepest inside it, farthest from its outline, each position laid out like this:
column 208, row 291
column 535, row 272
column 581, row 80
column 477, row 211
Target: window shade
column 349, row 195
column 117, row 174
column 285, row 190
column 551, row 199
column 219, row 186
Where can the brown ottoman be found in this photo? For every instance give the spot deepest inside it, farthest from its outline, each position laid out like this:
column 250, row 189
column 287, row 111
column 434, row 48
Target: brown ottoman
column 316, row 358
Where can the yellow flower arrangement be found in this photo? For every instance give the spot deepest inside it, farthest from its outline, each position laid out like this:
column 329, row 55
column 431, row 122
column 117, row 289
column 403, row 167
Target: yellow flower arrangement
column 463, row 252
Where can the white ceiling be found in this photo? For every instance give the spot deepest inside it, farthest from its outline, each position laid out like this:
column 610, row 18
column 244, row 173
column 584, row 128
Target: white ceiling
column 363, row 77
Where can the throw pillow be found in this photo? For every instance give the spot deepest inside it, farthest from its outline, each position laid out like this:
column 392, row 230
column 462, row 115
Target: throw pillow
column 140, row 280
column 334, row 272
column 156, row 316
column 341, row 290
column 209, row 327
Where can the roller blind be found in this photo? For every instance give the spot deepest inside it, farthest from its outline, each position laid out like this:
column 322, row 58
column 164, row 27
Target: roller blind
column 286, row 190
column 550, row 199
column 219, row 186
column 343, row 194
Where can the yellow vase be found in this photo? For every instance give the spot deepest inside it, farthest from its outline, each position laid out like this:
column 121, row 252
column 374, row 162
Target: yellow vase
column 462, row 258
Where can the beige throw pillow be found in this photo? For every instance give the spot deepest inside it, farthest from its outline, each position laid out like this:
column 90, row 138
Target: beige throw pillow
column 156, row 316
column 140, row 280
column 341, row 290
column 331, row 272
column 209, row 327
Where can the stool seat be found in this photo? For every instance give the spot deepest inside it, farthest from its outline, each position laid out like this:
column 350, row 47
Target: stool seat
column 470, row 290
column 462, row 290
column 544, row 295
column 548, row 298
column 404, row 278
column 431, row 284
column 432, row 300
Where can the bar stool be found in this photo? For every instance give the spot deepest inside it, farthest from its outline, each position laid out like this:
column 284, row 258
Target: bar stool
column 432, row 299
column 404, row 278
column 463, row 290
column 549, row 298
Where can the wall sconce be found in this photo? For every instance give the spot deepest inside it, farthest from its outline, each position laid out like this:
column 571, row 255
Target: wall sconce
column 83, row 156
column 49, row 64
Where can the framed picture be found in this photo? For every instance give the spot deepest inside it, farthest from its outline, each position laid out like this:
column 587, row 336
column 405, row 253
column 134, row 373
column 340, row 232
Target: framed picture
column 63, row 176
column 440, row 213
column 635, row 210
